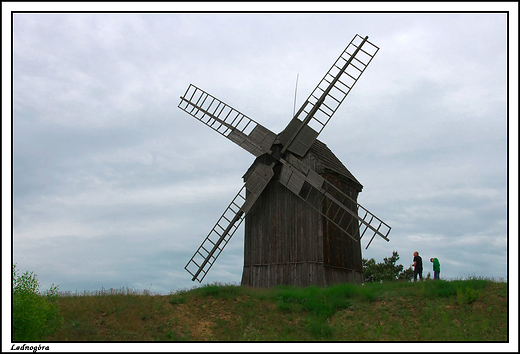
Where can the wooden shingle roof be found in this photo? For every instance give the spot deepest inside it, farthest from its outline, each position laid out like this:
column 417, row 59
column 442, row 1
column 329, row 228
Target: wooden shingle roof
column 330, row 163
column 322, row 160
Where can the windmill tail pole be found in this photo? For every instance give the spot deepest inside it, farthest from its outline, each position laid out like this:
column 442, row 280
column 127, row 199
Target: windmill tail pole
column 224, row 234
column 295, row 92
column 323, row 96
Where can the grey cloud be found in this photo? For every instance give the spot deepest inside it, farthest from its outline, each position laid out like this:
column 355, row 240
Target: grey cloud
column 114, row 186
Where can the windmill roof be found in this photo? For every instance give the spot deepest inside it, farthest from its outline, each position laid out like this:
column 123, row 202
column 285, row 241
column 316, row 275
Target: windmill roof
column 331, row 163
column 325, row 162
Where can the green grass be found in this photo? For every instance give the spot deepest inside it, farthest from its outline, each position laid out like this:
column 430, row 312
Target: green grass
column 461, row 310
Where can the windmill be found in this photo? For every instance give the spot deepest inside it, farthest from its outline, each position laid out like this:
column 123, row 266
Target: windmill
column 303, row 224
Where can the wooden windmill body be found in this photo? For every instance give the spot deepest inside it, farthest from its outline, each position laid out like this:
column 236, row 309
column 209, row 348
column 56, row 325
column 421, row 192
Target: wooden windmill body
column 303, row 223
column 287, row 242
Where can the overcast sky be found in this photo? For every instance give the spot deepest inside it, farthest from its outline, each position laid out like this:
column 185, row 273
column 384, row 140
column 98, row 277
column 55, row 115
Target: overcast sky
column 114, row 186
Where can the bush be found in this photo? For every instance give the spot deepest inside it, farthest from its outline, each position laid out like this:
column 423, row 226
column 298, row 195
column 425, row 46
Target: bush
column 34, row 315
column 388, row 270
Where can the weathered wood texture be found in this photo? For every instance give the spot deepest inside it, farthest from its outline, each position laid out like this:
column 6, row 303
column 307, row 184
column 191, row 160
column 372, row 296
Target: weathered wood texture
column 340, row 250
column 288, row 243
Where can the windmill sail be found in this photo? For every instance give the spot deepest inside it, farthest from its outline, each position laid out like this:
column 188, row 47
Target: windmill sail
column 208, row 252
column 331, row 202
column 227, row 121
column 323, row 102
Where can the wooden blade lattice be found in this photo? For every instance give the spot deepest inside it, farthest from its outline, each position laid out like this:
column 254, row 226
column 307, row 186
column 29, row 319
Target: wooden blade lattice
column 331, row 202
column 207, row 253
column 323, row 102
column 227, row 121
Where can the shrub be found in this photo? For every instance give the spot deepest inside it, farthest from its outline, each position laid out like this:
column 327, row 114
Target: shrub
column 386, row 271
column 34, row 315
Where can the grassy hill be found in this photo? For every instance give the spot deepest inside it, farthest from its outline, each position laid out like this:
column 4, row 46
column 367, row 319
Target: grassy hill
column 460, row 310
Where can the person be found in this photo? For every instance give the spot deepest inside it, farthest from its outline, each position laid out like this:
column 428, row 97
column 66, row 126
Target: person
column 436, row 268
column 417, row 266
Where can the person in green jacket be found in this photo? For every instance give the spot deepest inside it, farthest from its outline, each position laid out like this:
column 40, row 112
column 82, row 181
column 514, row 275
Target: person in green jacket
column 436, row 268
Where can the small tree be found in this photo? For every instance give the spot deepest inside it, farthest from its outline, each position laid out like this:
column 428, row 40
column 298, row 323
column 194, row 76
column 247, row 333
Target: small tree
column 34, row 315
column 406, row 274
column 385, row 271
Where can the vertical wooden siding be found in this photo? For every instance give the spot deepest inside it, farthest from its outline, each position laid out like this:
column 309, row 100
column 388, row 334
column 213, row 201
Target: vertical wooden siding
column 288, row 243
column 339, row 249
column 283, row 236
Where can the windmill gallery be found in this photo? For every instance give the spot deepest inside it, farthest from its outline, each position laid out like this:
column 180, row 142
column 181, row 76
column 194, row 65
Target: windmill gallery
column 303, row 225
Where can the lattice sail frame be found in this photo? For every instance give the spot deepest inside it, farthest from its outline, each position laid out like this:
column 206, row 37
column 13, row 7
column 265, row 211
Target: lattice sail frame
column 325, row 99
column 314, row 189
column 227, row 121
column 208, row 252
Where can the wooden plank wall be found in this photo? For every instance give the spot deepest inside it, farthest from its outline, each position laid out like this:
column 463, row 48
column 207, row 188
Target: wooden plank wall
column 288, row 243
column 339, row 249
column 282, row 235
column 298, row 274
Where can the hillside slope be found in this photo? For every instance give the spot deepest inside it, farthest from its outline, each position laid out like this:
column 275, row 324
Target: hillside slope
column 463, row 310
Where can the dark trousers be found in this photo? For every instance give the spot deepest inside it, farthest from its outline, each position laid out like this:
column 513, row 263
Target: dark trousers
column 436, row 274
column 417, row 272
